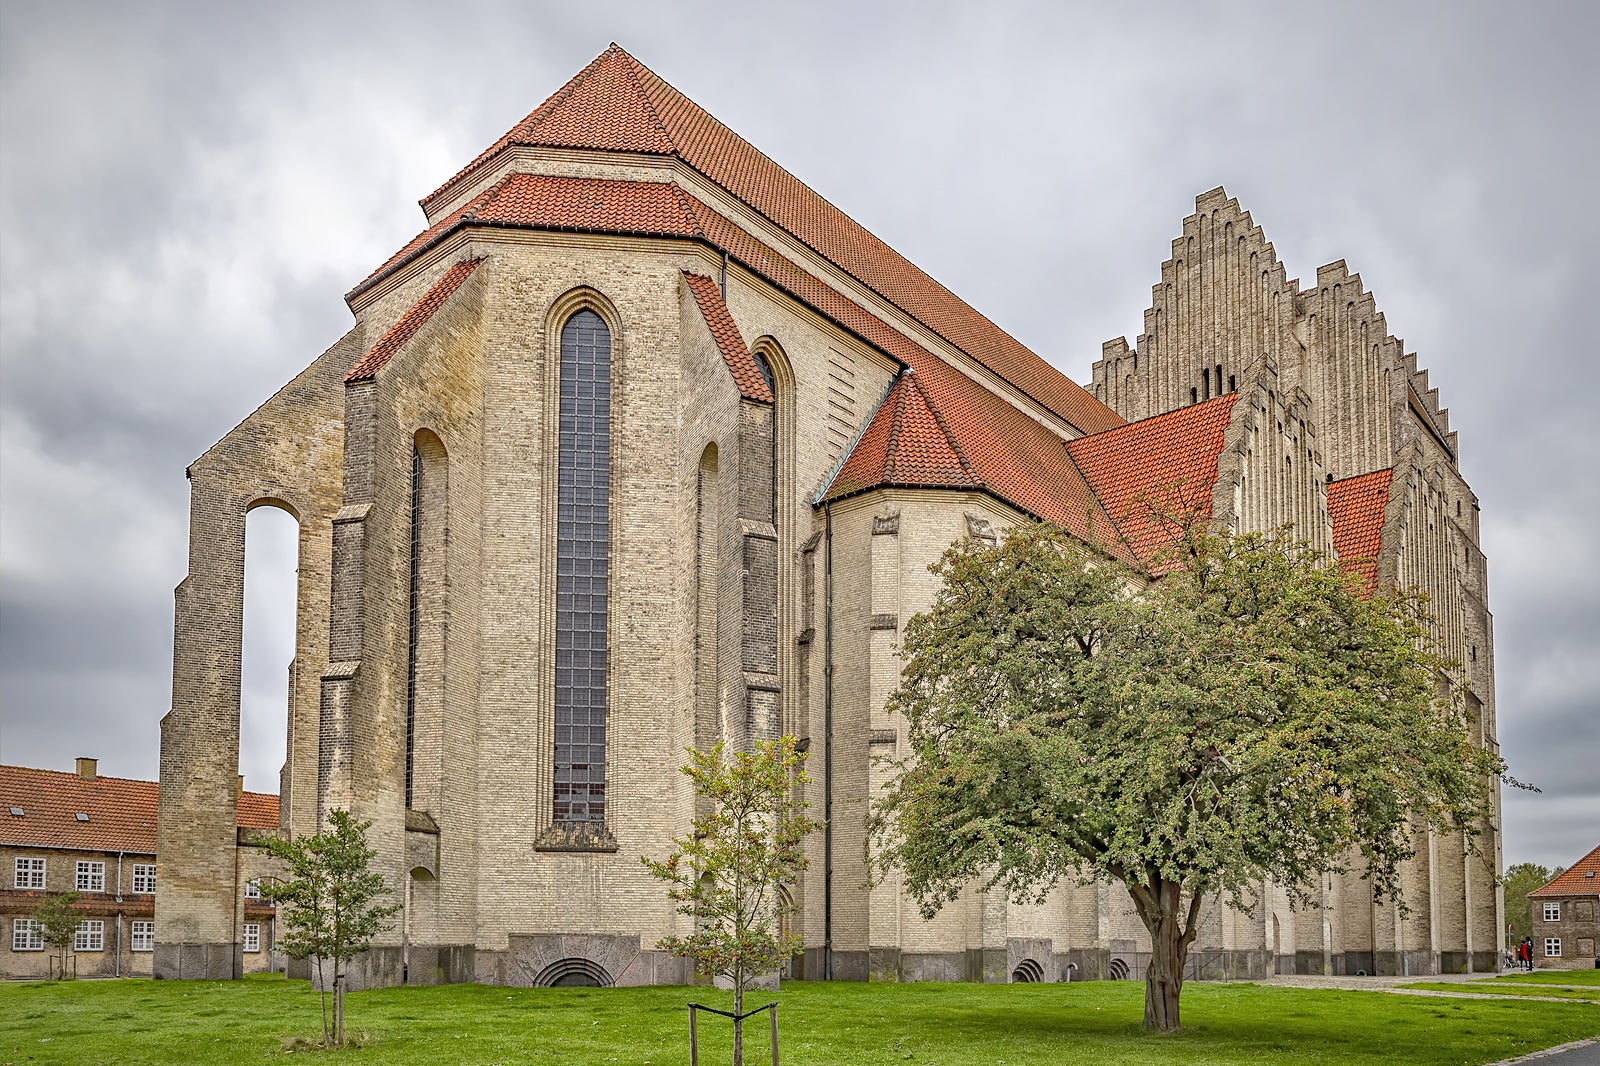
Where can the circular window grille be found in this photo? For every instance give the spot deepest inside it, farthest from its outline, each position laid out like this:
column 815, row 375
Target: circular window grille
column 1119, row 970
column 573, row 973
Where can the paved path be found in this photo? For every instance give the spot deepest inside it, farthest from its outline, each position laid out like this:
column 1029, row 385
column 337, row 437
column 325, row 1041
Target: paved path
column 1577, row 1053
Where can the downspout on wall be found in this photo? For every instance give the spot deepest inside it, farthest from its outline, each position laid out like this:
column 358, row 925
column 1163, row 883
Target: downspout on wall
column 827, row 742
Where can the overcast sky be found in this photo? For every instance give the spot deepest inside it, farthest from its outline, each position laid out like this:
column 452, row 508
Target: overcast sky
column 186, row 192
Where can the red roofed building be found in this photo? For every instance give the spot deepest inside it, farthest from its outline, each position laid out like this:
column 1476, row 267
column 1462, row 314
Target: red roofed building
column 81, row 832
column 1566, row 916
column 641, row 444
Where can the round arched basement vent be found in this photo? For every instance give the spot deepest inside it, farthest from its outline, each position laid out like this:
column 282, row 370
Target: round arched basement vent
column 573, row 973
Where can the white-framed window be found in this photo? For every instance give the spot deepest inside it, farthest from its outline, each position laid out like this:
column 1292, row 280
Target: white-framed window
column 90, row 935
column 91, row 877
column 30, row 873
column 26, row 935
column 252, row 889
column 1552, row 912
column 1552, row 947
column 144, row 878
column 142, row 936
column 252, row 937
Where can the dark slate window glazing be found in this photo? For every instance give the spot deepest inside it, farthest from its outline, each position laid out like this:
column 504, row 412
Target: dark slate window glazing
column 583, row 524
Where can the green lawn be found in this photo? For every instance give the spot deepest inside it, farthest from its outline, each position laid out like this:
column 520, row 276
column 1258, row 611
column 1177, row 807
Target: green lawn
column 122, row 1022
column 1555, row 977
column 1494, row 987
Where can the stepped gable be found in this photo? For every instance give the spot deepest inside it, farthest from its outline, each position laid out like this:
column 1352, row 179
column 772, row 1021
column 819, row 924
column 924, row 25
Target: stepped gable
column 1583, row 879
column 1356, row 505
column 741, row 364
column 122, row 812
column 410, row 322
column 1167, row 463
column 617, row 104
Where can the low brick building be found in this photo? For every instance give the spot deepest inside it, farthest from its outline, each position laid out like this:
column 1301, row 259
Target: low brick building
column 1566, row 916
column 80, row 832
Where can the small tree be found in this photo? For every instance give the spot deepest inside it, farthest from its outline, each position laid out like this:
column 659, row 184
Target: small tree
column 1243, row 710
column 58, row 920
column 328, row 904
column 725, row 874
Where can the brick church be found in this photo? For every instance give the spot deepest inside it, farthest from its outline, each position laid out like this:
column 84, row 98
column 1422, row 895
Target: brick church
column 641, row 444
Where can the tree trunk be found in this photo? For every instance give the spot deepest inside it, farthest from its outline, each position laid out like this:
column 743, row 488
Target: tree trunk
column 1169, row 950
column 322, row 987
column 338, row 1005
column 738, row 1022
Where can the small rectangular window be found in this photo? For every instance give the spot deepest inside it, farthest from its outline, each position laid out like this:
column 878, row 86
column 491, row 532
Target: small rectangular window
column 252, row 890
column 252, row 937
column 26, row 935
column 30, row 873
column 1552, row 912
column 91, row 877
column 143, row 936
column 144, row 878
column 90, row 935
column 1552, row 947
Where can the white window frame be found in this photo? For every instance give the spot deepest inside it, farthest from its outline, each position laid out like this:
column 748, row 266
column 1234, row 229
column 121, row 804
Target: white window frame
column 142, row 935
column 29, row 874
column 1552, row 947
column 251, row 937
column 91, row 876
column 90, row 935
column 1552, row 912
column 252, row 889
column 144, row 878
column 26, row 935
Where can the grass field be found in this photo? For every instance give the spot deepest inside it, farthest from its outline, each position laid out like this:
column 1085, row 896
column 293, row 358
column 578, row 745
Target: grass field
column 1553, row 977
column 1492, row 987
column 122, row 1022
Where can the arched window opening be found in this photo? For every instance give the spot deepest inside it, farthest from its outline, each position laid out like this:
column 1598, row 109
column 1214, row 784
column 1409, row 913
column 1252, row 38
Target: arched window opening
column 1205, row 380
column 583, row 538
column 1194, row 394
column 1219, row 379
column 267, row 667
column 1231, row 386
column 708, row 556
column 424, row 629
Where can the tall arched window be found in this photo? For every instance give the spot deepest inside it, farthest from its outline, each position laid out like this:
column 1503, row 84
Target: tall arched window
column 583, row 536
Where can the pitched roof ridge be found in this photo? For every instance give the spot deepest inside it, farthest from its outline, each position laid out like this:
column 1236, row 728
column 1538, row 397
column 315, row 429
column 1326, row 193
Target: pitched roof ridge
column 1591, row 861
column 631, row 68
column 896, row 422
column 410, row 323
column 944, row 427
column 726, row 335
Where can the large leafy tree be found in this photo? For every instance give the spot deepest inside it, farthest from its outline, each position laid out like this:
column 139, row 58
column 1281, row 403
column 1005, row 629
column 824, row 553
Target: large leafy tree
column 726, row 873
column 1519, row 880
column 1241, row 710
column 329, row 904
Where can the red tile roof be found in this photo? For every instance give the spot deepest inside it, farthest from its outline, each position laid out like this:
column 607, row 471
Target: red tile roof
column 411, row 321
column 1356, row 505
column 741, row 364
column 1161, row 465
column 122, row 812
column 1583, row 879
column 907, row 444
column 618, row 104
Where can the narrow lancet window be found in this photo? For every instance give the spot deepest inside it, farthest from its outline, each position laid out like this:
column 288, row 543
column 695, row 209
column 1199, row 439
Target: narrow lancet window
column 583, row 527
column 412, row 615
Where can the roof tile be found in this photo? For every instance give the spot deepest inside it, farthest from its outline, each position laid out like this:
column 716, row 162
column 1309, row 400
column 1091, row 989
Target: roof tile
column 413, row 320
column 1356, row 505
column 618, row 104
column 1164, row 464
column 1583, row 879
column 719, row 320
column 122, row 812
